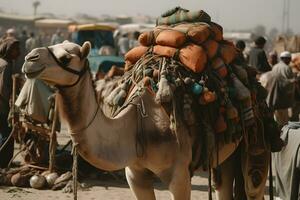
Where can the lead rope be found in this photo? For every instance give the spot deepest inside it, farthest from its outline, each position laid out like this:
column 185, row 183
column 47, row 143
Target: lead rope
column 271, row 179
column 74, row 170
column 209, row 183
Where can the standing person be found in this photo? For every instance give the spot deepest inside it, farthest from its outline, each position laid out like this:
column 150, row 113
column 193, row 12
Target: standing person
column 31, row 43
column 240, row 45
column 273, row 58
column 133, row 42
column 123, row 44
column 257, row 56
column 11, row 33
column 22, row 38
column 9, row 52
column 57, row 38
column 281, row 87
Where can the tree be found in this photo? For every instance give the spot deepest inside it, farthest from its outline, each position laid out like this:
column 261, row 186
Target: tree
column 35, row 5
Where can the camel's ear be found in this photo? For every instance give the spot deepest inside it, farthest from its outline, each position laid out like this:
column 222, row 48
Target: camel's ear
column 85, row 49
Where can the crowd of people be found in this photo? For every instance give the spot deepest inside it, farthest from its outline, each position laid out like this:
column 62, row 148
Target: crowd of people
column 277, row 76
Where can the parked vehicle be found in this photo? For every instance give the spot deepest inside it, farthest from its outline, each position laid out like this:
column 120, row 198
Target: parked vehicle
column 103, row 54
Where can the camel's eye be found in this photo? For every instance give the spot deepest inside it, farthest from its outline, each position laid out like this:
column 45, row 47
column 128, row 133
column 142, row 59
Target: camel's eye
column 65, row 59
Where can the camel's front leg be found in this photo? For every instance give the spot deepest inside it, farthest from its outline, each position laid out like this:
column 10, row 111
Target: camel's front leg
column 180, row 184
column 141, row 183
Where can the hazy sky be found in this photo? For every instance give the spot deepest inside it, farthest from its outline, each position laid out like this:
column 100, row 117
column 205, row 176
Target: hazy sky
column 232, row 14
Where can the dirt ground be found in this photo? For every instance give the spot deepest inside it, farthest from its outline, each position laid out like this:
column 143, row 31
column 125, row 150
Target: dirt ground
column 110, row 189
column 103, row 190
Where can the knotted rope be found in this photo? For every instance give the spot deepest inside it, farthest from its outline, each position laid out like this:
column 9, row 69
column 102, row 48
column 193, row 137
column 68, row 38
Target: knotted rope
column 74, row 169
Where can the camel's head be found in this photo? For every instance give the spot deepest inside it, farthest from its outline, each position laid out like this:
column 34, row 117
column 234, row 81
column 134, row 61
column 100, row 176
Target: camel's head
column 59, row 65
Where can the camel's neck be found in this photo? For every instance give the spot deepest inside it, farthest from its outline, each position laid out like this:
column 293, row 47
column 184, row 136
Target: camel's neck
column 106, row 143
column 78, row 104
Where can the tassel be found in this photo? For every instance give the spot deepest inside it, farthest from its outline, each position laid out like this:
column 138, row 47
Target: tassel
column 113, row 94
column 120, row 98
column 165, row 92
column 188, row 114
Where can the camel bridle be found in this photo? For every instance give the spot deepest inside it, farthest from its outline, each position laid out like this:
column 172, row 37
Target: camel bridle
column 70, row 70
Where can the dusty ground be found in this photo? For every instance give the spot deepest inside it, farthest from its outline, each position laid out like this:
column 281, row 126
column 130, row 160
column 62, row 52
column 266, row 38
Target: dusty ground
column 112, row 190
column 105, row 190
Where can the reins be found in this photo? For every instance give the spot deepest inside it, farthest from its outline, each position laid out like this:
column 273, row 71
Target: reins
column 73, row 132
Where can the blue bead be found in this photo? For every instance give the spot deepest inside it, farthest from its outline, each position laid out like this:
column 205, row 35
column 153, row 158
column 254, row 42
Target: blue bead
column 197, row 89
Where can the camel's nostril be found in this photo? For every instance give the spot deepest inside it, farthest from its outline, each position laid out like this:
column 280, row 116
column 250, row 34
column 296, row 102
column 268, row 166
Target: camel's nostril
column 32, row 57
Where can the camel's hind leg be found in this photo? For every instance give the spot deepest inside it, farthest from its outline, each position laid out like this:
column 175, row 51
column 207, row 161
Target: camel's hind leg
column 141, row 183
column 224, row 191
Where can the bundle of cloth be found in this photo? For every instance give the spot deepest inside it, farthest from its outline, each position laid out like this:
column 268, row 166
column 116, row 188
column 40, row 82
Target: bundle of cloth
column 187, row 63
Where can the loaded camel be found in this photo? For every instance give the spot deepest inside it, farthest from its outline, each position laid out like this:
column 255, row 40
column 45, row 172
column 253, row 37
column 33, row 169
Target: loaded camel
column 115, row 143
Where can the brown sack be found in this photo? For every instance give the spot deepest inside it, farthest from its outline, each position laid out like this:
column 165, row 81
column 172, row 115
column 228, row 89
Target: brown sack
column 199, row 34
column 211, row 48
column 164, row 51
column 147, row 38
column 171, row 38
column 184, row 27
column 219, row 66
column 217, row 31
column 193, row 57
column 135, row 54
column 228, row 51
column 196, row 32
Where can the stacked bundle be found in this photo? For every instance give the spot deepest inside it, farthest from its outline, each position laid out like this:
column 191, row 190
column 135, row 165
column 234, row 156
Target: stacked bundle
column 197, row 45
column 190, row 63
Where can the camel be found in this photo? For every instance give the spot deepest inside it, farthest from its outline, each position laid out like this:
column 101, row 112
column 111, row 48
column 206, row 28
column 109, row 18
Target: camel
column 117, row 143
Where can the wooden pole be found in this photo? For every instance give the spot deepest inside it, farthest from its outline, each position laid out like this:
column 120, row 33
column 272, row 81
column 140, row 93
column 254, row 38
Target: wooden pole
column 13, row 98
column 53, row 138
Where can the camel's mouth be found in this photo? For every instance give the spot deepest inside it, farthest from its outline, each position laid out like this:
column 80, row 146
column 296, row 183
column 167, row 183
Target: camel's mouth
column 34, row 74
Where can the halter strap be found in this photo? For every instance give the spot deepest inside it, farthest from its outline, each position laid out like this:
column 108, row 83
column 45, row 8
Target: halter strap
column 66, row 68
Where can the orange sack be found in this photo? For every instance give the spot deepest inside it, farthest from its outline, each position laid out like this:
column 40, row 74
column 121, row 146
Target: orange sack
column 135, row 54
column 147, row 38
column 171, row 38
column 217, row 31
column 228, row 51
column 193, row 57
column 211, row 48
column 164, row 51
column 199, row 34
